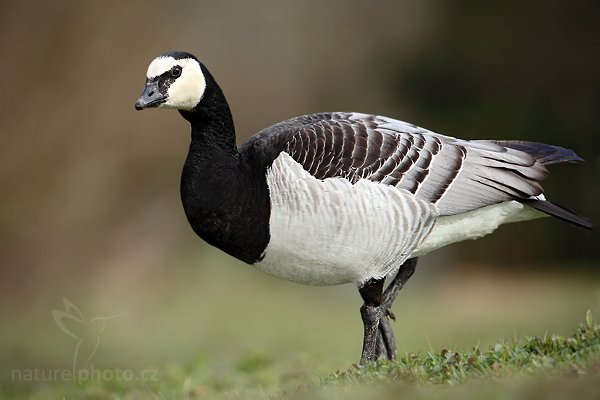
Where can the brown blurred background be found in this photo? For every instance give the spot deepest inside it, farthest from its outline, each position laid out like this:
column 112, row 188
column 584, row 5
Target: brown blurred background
column 90, row 205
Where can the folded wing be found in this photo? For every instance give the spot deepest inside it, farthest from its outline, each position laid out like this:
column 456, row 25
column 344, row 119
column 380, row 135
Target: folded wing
column 456, row 175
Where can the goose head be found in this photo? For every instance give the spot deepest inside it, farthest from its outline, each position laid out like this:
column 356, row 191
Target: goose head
column 174, row 80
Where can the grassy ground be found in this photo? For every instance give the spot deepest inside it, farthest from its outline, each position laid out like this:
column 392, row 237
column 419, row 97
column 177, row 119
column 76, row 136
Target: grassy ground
column 227, row 331
column 545, row 367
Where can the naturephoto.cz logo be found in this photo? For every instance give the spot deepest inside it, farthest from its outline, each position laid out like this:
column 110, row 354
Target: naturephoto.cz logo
column 87, row 335
column 85, row 374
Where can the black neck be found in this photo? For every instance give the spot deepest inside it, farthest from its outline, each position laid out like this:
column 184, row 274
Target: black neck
column 225, row 199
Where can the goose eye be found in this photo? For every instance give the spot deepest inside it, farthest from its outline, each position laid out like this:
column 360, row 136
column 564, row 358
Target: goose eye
column 176, row 71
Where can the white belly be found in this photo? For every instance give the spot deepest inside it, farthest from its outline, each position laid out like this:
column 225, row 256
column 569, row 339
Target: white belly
column 332, row 232
column 474, row 224
column 328, row 232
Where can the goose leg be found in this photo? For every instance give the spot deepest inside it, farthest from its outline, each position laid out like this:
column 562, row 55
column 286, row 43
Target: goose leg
column 386, row 342
column 372, row 295
column 379, row 338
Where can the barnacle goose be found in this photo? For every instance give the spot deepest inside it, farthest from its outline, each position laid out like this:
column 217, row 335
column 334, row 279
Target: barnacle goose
column 335, row 198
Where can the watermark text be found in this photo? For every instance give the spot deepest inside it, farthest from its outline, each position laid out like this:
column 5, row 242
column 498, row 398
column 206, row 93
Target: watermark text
column 81, row 375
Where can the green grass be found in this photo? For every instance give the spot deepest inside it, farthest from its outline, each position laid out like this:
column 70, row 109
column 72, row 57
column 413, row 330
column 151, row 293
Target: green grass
column 534, row 356
column 548, row 367
column 206, row 329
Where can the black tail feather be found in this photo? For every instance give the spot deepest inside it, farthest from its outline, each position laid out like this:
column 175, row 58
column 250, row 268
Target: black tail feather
column 557, row 211
column 544, row 153
column 547, row 154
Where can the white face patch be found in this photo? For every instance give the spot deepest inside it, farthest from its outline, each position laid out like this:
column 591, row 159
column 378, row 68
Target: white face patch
column 187, row 90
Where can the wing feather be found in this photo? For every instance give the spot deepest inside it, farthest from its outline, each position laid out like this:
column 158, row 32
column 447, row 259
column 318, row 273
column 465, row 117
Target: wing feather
column 456, row 175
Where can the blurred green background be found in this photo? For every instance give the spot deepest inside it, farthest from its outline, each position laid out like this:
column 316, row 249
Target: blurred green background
column 90, row 207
